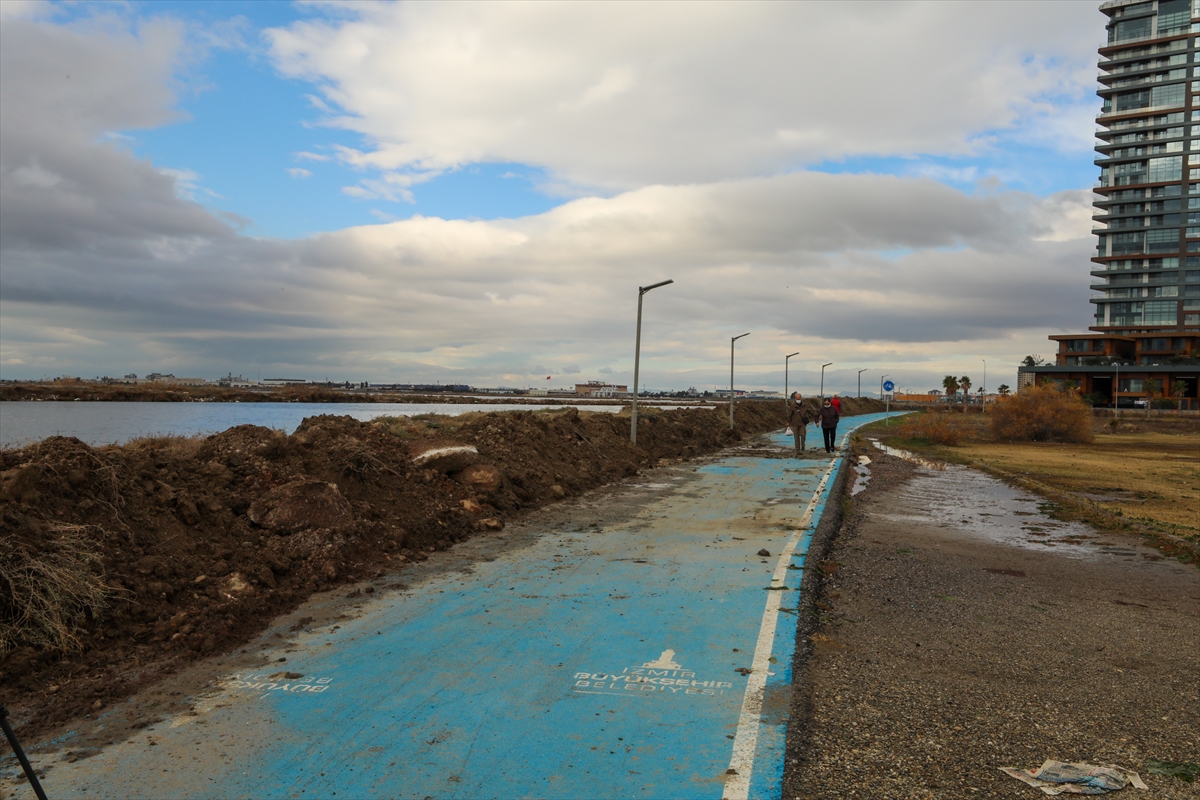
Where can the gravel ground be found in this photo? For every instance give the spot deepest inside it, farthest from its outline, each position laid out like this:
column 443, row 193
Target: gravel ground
column 942, row 654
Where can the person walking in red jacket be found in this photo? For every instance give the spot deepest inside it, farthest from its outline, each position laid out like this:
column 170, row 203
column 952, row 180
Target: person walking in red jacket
column 837, row 404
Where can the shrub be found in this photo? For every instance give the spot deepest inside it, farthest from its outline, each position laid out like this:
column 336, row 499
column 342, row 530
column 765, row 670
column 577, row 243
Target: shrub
column 1042, row 414
column 169, row 445
column 49, row 588
column 937, row 427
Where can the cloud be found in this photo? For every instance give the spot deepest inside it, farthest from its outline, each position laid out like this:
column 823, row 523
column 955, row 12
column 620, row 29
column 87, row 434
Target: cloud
column 622, row 96
column 109, row 266
column 63, row 184
column 392, row 186
column 793, row 258
column 297, row 172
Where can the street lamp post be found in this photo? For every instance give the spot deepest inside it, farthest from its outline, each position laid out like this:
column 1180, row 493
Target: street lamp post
column 786, row 396
column 983, row 390
column 823, row 366
column 860, row 372
column 1116, row 389
column 637, row 355
column 731, row 343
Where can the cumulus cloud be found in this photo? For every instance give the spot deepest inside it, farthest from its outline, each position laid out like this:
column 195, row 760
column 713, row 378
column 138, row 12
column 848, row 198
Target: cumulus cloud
column 625, row 95
column 109, row 266
column 61, row 89
column 297, row 172
column 485, row 299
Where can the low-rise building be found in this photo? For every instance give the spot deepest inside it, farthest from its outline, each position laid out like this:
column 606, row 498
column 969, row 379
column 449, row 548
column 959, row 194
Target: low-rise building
column 601, row 389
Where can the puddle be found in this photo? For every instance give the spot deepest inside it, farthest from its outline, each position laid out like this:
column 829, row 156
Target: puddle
column 862, row 475
column 979, row 505
column 907, row 456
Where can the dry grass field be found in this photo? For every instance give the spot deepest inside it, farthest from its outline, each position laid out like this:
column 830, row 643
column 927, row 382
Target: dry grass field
column 1146, row 471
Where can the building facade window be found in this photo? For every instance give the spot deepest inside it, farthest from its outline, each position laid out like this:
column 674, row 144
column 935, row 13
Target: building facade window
column 1162, row 241
column 1160, row 312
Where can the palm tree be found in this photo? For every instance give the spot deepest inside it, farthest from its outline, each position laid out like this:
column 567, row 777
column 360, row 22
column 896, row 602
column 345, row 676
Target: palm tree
column 1178, row 390
column 951, row 385
column 964, row 383
column 1004, row 390
column 1153, row 387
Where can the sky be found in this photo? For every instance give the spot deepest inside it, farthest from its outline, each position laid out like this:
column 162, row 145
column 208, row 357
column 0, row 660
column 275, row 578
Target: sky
column 473, row 192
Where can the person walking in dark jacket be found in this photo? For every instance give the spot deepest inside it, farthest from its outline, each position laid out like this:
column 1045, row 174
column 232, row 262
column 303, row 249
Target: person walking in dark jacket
column 797, row 419
column 829, row 421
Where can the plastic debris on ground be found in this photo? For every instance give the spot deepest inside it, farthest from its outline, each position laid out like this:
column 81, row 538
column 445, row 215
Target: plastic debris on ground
column 1059, row 777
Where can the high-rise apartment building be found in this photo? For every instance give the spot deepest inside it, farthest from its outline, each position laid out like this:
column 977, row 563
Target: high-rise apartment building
column 1145, row 344
column 1147, row 261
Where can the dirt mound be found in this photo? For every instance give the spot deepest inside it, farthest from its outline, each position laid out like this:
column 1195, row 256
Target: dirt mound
column 168, row 549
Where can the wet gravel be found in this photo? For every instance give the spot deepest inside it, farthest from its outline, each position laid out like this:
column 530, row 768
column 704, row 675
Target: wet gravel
column 941, row 654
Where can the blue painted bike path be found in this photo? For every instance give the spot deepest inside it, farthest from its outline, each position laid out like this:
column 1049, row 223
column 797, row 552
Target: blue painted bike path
column 646, row 659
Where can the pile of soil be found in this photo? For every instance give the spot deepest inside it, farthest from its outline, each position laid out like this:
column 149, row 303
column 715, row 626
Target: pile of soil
column 171, row 549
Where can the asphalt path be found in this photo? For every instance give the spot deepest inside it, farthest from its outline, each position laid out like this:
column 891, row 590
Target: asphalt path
column 649, row 658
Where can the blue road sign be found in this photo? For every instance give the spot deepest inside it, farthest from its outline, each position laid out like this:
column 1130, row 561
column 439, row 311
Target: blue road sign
column 888, row 386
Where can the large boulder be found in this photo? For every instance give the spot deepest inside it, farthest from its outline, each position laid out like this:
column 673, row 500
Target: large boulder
column 301, row 505
column 481, row 477
column 444, row 457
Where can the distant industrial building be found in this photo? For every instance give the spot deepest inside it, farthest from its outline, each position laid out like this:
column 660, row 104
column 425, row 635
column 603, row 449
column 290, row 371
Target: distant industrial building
column 1146, row 264
column 601, row 389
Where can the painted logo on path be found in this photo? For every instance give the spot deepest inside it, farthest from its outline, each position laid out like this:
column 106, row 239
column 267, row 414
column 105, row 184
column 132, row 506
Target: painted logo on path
column 661, row 676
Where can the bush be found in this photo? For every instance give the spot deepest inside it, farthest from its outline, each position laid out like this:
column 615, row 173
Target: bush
column 1164, row 403
column 50, row 588
column 937, row 427
column 1042, row 414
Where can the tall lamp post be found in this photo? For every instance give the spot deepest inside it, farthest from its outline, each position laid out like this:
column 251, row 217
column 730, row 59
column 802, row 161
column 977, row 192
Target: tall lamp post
column 637, row 355
column 823, row 366
column 786, row 396
column 1116, row 389
column 731, row 343
column 983, row 389
column 860, row 372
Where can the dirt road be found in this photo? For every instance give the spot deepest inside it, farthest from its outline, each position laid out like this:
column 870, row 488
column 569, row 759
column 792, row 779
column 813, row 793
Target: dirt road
column 965, row 630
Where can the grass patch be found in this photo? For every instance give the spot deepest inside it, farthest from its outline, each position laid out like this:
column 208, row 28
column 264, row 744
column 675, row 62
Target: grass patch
column 168, row 445
column 1184, row 770
column 47, row 593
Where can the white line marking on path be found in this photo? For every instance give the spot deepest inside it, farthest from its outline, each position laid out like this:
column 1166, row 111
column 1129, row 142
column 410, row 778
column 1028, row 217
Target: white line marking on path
column 745, row 741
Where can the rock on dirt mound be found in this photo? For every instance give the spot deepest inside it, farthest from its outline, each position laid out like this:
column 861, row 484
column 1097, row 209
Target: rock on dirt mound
column 301, row 505
column 484, row 478
column 444, row 457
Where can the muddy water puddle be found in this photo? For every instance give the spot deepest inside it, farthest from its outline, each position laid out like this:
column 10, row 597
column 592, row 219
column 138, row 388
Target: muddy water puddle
column 862, row 475
column 976, row 504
